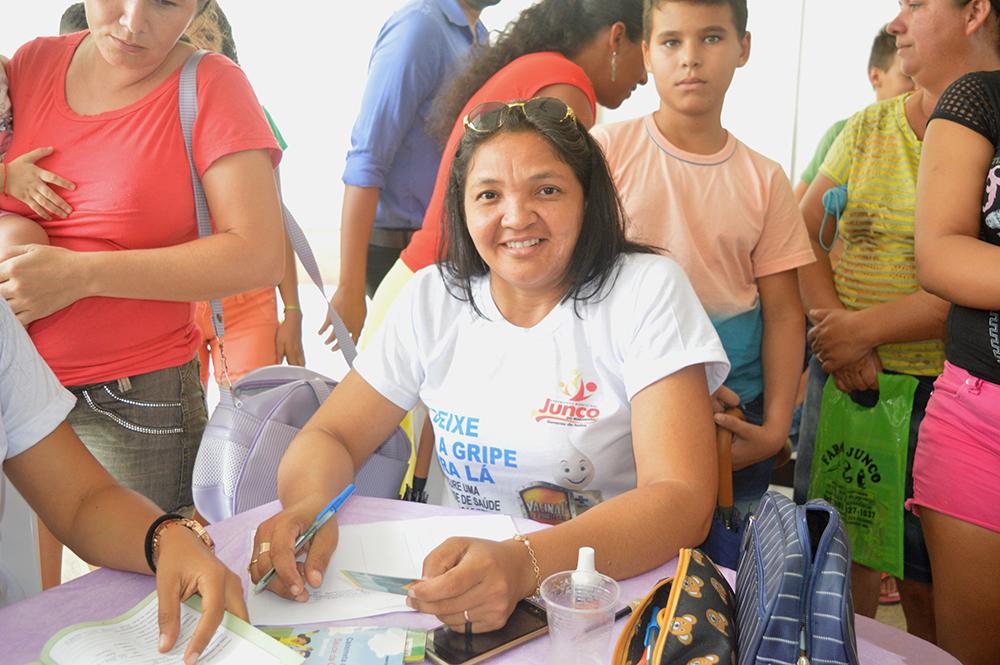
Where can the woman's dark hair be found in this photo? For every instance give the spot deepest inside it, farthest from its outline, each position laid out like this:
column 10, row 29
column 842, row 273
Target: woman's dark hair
column 562, row 26
column 210, row 30
column 995, row 5
column 593, row 263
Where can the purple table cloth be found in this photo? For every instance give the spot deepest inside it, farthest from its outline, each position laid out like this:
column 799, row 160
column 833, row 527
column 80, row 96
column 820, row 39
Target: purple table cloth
column 103, row 594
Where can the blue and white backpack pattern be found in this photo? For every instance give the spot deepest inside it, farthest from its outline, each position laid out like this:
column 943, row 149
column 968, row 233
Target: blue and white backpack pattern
column 793, row 586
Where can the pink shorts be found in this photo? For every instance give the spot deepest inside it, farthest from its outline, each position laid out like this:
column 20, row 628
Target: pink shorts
column 956, row 470
column 251, row 321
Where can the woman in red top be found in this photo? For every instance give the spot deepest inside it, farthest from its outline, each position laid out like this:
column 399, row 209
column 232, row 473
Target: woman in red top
column 109, row 302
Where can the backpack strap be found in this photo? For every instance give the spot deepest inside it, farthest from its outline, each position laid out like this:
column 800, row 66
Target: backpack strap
column 188, row 107
column 188, row 103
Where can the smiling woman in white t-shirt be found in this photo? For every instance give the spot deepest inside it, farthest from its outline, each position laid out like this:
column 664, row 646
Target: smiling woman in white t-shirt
column 567, row 373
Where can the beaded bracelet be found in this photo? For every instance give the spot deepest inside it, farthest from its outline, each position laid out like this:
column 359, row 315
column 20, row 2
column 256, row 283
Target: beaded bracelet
column 534, row 562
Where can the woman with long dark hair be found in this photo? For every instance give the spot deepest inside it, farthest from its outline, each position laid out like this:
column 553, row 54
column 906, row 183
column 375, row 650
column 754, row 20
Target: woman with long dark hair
column 568, row 371
column 583, row 52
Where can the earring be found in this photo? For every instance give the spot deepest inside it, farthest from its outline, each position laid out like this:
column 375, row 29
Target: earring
column 614, row 66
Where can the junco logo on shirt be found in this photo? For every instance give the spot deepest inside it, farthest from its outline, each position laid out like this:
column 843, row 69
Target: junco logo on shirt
column 574, row 411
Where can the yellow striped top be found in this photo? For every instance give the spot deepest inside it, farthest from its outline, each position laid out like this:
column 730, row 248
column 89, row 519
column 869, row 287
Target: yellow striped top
column 877, row 156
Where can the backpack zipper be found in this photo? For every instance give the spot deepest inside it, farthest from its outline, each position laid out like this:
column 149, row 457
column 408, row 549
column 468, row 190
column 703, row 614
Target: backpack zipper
column 806, row 605
column 751, row 535
column 803, row 658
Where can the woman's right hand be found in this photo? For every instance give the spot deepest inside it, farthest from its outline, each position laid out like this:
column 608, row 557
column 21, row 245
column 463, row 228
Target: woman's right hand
column 279, row 533
column 185, row 566
column 29, row 184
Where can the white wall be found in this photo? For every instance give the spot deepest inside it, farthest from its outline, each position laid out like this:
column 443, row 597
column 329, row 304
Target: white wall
column 308, row 60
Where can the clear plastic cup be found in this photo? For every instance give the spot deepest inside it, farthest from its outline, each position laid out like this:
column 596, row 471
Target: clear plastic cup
column 580, row 617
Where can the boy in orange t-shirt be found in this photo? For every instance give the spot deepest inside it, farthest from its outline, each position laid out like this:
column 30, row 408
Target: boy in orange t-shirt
column 726, row 213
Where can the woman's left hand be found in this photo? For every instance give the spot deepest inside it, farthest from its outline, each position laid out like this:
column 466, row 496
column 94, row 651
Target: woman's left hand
column 185, row 567
column 38, row 280
column 288, row 340
column 476, row 580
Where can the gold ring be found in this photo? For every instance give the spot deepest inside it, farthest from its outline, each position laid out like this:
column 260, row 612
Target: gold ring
column 264, row 547
column 252, row 562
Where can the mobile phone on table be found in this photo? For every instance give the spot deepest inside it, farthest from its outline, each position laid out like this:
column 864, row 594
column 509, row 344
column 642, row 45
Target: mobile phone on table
column 447, row 647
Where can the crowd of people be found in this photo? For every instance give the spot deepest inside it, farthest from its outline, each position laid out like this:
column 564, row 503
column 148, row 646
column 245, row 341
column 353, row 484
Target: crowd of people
column 579, row 305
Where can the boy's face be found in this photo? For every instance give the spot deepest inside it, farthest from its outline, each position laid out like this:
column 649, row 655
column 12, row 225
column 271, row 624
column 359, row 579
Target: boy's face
column 692, row 52
column 891, row 82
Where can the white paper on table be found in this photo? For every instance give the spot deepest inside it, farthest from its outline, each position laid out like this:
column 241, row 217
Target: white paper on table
column 134, row 636
column 395, row 548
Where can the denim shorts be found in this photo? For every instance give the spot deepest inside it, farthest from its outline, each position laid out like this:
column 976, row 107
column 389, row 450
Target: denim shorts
column 145, row 430
column 916, row 561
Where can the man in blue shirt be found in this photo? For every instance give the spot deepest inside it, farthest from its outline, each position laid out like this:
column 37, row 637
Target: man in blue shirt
column 392, row 163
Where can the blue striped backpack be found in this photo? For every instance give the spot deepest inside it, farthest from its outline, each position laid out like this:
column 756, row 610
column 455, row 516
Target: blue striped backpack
column 793, row 586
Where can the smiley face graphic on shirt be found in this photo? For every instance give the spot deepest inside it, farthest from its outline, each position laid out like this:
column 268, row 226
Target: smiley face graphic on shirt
column 575, row 471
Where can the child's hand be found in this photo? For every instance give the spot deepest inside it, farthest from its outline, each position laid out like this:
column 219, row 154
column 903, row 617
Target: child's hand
column 752, row 443
column 724, row 399
column 29, row 184
column 288, row 339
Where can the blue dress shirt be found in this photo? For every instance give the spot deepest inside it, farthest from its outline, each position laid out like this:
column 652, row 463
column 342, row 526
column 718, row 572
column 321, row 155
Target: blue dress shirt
column 416, row 51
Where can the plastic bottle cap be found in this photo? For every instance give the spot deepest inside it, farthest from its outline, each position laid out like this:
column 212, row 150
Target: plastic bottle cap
column 585, row 573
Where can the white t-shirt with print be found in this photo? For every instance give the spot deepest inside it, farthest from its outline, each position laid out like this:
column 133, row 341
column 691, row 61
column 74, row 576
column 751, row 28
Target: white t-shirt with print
column 32, row 405
column 537, row 421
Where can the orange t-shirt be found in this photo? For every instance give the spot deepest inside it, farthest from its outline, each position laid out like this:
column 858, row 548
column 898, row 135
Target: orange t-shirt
column 520, row 79
column 133, row 192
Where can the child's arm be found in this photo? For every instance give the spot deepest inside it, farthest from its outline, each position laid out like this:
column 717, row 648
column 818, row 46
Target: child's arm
column 29, row 184
column 781, row 353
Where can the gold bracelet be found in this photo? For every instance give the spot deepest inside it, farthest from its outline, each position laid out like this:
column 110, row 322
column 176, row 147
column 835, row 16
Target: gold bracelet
column 534, row 562
column 153, row 551
column 292, row 308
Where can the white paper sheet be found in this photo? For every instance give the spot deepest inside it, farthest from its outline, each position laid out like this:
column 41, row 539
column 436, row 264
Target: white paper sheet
column 395, row 548
column 133, row 637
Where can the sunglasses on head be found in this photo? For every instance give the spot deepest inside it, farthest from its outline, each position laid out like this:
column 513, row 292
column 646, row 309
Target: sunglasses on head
column 489, row 116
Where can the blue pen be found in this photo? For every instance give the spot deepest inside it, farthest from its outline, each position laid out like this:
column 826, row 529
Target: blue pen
column 652, row 633
column 321, row 519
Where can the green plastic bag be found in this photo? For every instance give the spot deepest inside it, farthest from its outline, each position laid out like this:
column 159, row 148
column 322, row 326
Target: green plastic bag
column 859, row 466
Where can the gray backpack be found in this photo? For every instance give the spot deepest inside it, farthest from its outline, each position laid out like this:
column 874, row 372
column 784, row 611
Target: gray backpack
column 246, row 436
